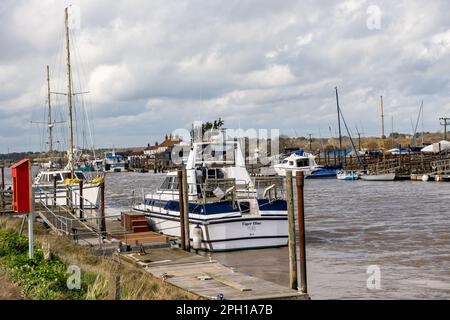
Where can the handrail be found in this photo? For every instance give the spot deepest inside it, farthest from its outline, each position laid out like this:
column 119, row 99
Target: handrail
column 67, row 211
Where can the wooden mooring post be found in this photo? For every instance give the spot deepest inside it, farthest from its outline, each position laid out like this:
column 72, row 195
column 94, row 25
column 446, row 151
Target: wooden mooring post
column 102, row 208
column 181, row 201
column 291, row 226
column 81, row 199
column 54, row 189
column 301, row 230
column 186, row 210
column 2, row 190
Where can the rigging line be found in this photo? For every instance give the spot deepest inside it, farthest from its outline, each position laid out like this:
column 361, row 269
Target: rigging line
column 80, row 100
column 81, row 74
column 351, row 140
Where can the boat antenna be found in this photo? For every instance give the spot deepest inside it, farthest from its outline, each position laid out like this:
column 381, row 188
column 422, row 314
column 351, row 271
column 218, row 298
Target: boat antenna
column 69, row 94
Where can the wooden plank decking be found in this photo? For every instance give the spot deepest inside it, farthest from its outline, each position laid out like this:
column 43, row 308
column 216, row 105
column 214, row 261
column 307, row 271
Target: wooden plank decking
column 207, row 278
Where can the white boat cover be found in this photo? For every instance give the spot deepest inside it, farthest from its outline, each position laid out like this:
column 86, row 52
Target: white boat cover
column 436, row 147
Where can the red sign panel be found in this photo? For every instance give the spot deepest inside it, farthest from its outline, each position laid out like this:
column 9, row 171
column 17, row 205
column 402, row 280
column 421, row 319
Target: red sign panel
column 21, row 186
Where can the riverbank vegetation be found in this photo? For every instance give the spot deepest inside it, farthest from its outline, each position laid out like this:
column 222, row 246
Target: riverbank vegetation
column 45, row 276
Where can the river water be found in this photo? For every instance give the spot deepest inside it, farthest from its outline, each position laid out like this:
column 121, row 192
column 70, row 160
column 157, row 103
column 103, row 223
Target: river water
column 401, row 227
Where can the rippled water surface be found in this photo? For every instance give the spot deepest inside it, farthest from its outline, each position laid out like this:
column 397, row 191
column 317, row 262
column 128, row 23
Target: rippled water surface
column 403, row 227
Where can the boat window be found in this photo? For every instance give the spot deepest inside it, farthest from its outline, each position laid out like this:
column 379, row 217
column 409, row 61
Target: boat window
column 170, row 183
column 66, row 175
column 174, row 183
column 302, row 162
column 285, row 161
column 245, row 207
column 80, row 176
column 43, row 178
column 291, row 163
column 166, row 183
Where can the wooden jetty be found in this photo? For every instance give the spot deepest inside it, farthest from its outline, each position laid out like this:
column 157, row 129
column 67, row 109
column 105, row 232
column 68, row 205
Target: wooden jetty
column 208, row 279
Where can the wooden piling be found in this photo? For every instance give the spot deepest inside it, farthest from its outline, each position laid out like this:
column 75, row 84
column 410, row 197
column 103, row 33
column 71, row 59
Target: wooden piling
column 181, row 201
column 81, row 199
column 54, row 189
column 117, row 286
column 2, row 190
column 186, row 209
column 291, row 226
column 102, row 208
column 301, row 230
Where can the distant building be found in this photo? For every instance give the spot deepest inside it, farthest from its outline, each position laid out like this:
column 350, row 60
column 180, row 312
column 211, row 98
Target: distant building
column 166, row 145
column 151, row 150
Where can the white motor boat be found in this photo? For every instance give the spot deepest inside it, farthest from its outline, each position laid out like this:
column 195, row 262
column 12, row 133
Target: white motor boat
column 44, row 188
column 303, row 161
column 230, row 209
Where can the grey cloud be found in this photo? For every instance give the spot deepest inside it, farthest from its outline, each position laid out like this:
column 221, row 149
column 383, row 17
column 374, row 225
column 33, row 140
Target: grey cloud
column 154, row 66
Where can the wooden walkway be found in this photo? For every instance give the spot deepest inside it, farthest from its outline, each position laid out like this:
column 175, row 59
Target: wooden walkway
column 209, row 279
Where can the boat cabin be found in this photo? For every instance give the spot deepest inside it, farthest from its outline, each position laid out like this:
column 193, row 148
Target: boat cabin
column 48, row 176
column 298, row 163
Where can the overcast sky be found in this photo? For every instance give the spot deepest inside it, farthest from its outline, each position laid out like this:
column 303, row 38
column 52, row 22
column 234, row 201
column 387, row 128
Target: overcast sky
column 154, row 66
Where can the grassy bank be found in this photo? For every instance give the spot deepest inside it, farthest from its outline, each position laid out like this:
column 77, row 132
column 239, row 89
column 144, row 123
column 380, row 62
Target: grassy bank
column 42, row 278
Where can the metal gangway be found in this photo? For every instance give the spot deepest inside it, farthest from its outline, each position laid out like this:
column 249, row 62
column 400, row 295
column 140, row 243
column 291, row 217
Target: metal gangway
column 65, row 219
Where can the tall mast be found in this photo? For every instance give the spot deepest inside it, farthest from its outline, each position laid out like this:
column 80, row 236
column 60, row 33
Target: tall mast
column 69, row 93
column 49, row 122
column 339, row 122
column 382, row 123
column 422, row 123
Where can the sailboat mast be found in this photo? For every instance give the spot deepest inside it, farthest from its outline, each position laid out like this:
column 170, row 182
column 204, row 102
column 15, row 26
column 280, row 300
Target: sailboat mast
column 422, row 123
column 69, row 93
column 49, row 123
column 382, row 123
column 339, row 121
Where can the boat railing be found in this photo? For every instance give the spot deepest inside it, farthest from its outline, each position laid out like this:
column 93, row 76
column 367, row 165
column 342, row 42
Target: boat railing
column 271, row 188
column 213, row 190
column 441, row 166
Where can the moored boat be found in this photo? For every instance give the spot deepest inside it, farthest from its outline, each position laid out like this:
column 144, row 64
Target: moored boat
column 305, row 162
column 347, row 175
column 379, row 177
column 232, row 211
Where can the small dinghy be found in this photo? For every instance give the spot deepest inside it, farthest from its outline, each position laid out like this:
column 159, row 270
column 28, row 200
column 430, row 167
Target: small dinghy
column 347, row 175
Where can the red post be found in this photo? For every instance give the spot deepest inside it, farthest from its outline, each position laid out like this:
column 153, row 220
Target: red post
column 301, row 230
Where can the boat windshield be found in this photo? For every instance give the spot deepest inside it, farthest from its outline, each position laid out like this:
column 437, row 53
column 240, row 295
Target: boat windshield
column 80, row 176
column 302, row 163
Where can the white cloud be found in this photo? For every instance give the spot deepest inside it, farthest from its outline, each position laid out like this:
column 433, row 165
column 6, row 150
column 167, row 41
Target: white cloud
column 272, row 76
